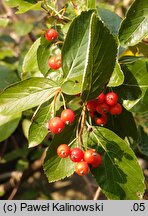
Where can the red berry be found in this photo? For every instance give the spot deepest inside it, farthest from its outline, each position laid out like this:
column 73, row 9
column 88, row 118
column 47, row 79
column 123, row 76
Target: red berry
column 101, row 98
column 91, row 105
column 111, row 98
column 101, row 120
column 102, row 108
column 116, row 110
column 51, row 35
column 55, row 62
column 76, row 155
column 98, row 161
column 82, row 168
column 90, row 156
column 67, row 116
column 56, row 125
column 63, row 150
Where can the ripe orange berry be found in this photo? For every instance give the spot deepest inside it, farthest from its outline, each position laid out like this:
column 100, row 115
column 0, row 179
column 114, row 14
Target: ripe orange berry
column 63, row 151
column 56, row 125
column 82, row 168
column 51, row 34
column 90, row 156
column 55, row 62
column 76, row 155
column 67, row 116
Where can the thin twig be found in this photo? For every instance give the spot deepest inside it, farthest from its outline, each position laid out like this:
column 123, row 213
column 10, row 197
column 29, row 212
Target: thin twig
column 97, row 194
column 63, row 99
column 14, row 191
column 82, row 125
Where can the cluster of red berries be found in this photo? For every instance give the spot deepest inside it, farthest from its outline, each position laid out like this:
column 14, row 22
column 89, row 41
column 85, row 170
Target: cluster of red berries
column 57, row 124
column 54, row 62
column 82, row 159
column 103, row 104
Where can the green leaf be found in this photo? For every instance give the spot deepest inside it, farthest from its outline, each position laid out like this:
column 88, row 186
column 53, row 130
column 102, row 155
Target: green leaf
column 117, row 77
column 86, row 61
column 26, row 94
column 129, row 59
column 75, row 47
column 120, row 176
column 25, row 126
column 124, row 126
column 43, row 55
column 7, row 76
column 8, row 124
column 111, row 20
column 30, row 64
column 100, row 63
column 143, row 141
column 56, row 76
column 71, row 87
column 24, row 6
column 38, row 129
column 134, row 27
column 22, row 28
column 142, row 103
column 75, row 53
column 134, row 88
column 57, row 168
